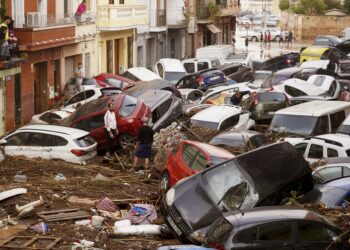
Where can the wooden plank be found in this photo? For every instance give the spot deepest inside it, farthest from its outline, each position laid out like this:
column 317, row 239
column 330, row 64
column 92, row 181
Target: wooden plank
column 58, row 211
column 63, row 215
column 30, row 241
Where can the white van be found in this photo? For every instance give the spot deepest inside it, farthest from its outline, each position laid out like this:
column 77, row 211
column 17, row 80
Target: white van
column 310, row 118
column 345, row 34
column 170, row 69
column 192, row 65
column 219, row 51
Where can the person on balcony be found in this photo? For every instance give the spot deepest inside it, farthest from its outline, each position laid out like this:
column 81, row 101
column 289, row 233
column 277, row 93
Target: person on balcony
column 4, row 46
column 80, row 11
column 12, row 38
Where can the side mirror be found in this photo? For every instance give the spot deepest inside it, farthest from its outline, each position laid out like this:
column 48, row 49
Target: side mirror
column 3, row 142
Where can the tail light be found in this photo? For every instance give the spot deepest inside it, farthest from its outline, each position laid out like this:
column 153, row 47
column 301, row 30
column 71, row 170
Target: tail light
column 78, row 152
column 209, row 102
column 216, row 246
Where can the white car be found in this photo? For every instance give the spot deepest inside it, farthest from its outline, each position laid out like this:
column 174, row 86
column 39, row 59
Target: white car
column 89, row 95
column 50, row 142
column 216, row 92
column 320, row 64
column 295, row 87
column 254, row 34
column 191, row 95
column 88, row 83
column 322, row 146
column 170, row 69
column 334, row 168
column 52, row 116
column 240, row 58
column 276, row 34
column 140, row 74
column 221, row 117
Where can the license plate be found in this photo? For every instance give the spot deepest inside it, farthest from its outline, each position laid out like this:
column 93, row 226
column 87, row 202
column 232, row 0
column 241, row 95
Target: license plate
column 172, row 224
column 271, row 113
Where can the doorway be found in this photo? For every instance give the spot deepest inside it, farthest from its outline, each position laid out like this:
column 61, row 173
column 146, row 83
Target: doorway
column 57, row 76
column 109, row 56
column 172, row 48
column 116, row 56
column 18, row 101
column 40, row 87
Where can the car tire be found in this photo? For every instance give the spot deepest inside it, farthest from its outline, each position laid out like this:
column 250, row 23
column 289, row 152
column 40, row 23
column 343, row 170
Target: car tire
column 164, row 182
column 277, row 38
column 254, row 39
column 125, row 140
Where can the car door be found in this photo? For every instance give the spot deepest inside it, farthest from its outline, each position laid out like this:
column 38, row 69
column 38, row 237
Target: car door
column 275, row 236
column 60, row 150
column 302, row 148
column 316, row 153
column 161, row 116
column 40, row 145
column 314, row 236
column 16, row 143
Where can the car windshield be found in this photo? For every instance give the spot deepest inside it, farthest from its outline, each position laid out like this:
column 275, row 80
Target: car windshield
column 271, row 97
column 229, row 188
column 344, row 129
column 205, row 124
column 296, row 124
column 128, row 106
column 329, row 196
column 118, row 83
column 174, row 76
column 229, row 142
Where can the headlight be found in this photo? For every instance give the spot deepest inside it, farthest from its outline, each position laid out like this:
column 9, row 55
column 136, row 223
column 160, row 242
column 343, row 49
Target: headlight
column 170, row 197
column 198, row 236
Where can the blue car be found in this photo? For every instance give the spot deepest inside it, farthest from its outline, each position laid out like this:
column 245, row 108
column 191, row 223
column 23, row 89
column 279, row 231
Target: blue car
column 202, row 80
column 335, row 193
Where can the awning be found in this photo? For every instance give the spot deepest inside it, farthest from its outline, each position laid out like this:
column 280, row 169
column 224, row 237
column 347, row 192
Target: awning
column 213, row 28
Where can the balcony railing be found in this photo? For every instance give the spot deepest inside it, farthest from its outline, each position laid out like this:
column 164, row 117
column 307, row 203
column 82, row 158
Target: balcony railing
column 122, row 16
column 10, row 56
column 202, row 12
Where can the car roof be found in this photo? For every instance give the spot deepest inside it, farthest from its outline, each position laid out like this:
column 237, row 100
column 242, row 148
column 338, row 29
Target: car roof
column 319, row 50
column 315, row 108
column 199, row 59
column 273, row 213
column 340, row 140
column 315, row 64
column 306, row 87
column 172, row 65
column 154, row 97
column 338, row 160
column 231, row 135
column 212, row 150
column 217, row 113
column 66, row 131
column 288, row 71
column 143, row 73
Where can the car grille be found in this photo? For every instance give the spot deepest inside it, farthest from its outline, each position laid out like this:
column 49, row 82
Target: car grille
column 176, row 216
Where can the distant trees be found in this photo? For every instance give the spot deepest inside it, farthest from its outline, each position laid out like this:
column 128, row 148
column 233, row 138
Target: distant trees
column 284, row 5
column 314, row 6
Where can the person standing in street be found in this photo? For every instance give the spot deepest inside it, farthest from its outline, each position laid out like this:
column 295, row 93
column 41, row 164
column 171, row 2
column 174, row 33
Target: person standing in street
column 79, row 76
column 282, row 38
column 144, row 145
column 291, row 38
column 110, row 131
column 80, row 11
column 269, row 38
column 261, row 38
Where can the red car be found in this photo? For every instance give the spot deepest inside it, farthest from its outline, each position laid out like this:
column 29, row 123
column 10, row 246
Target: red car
column 129, row 113
column 110, row 80
column 188, row 159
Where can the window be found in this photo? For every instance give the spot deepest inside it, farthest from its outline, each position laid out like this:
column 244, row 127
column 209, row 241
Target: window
column 59, row 141
column 316, row 151
column 81, row 96
column 200, row 162
column 293, row 91
column 121, row 1
column 202, row 66
column 161, row 110
column 194, row 96
column 247, row 236
column 40, row 140
column 258, row 141
column 128, row 106
column 336, row 120
column 109, row 92
column 330, row 173
column 97, row 121
column 309, row 231
column 85, row 141
column 115, row 82
column 322, row 126
column 19, row 139
column 332, row 153
column 111, row 1
column 189, row 67
column 50, row 117
column 160, row 70
column 229, row 122
column 189, row 152
column 301, row 147
column 280, row 231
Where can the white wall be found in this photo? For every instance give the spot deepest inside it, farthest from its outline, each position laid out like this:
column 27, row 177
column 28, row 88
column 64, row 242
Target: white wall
column 174, row 12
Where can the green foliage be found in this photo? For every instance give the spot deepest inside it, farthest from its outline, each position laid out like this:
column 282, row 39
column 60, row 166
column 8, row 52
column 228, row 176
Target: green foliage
column 214, row 9
column 284, row 5
column 187, row 14
column 346, row 6
column 310, row 7
column 333, row 4
column 2, row 9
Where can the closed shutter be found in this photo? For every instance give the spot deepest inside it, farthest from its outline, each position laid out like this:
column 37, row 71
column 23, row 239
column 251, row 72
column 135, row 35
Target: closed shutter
column 69, row 68
column 87, row 65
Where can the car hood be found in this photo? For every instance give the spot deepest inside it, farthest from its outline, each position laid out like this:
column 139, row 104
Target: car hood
column 194, row 204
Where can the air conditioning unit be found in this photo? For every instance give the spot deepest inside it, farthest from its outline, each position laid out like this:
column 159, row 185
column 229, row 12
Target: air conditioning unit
column 33, row 19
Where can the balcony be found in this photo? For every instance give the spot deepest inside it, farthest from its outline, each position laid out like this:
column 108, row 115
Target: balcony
column 175, row 13
column 10, row 56
column 116, row 17
column 36, row 20
column 158, row 19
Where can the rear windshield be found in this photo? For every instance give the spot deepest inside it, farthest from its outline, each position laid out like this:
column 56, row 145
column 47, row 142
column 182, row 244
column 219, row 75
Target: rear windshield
column 85, row 141
column 271, row 97
column 229, row 142
column 128, row 106
column 88, row 108
column 89, row 81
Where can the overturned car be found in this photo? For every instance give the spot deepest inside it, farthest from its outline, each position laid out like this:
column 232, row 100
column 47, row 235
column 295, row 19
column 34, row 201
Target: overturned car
column 262, row 177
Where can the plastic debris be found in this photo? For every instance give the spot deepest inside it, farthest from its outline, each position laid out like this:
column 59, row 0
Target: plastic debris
column 142, row 214
column 100, row 177
column 97, row 221
column 138, row 230
column 12, row 192
column 33, row 204
column 60, row 177
column 41, row 227
column 107, row 205
column 83, row 223
column 19, row 177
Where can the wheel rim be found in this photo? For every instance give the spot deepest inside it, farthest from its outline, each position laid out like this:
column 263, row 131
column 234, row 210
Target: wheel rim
column 164, row 183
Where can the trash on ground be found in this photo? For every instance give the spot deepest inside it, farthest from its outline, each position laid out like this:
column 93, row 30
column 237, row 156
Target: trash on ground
column 33, row 204
column 60, row 177
column 137, row 230
column 30, row 242
column 142, row 214
column 97, row 221
column 12, row 192
column 20, row 178
column 65, row 214
column 107, row 205
column 100, row 177
column 84, row 201
column 41, row 227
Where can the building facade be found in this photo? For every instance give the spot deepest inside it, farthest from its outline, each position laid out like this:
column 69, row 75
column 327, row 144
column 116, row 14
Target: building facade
column 118, row 21
column 54, row 42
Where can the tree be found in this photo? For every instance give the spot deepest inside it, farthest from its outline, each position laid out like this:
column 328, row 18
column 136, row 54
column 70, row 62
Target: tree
column 214, row 9
column 284, row 5
column 333, row 4
column 346, row 6
column 310, row 7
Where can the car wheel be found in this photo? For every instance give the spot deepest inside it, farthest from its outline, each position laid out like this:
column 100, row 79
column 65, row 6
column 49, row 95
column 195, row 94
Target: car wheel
column 125, row 140
column 165, row 182
column 277, row 38
column 248, row 79
column 254, row 39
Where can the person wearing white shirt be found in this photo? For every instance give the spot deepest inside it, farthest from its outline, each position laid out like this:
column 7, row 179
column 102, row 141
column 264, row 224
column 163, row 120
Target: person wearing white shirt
column 111, row 130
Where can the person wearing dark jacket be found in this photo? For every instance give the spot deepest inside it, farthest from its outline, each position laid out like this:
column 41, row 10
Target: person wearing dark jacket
column 144, row 145
column 236, row 99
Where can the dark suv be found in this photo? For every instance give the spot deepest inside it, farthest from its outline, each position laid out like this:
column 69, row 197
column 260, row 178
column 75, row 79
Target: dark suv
column 202, row 80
